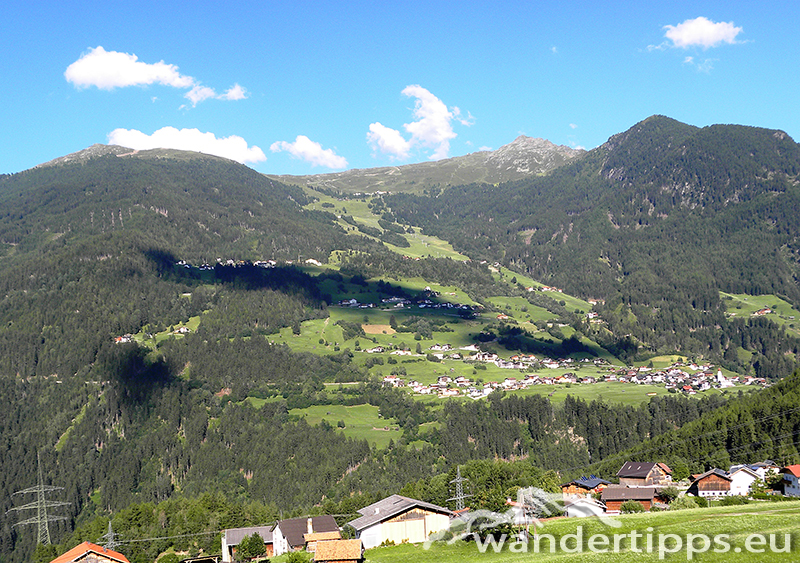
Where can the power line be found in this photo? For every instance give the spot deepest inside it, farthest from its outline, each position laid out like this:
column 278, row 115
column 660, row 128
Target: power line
column 41, row 504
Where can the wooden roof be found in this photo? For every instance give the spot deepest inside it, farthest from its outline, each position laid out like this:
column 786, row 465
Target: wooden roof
column 629, row 493
column 322, row 536
column 338, row 550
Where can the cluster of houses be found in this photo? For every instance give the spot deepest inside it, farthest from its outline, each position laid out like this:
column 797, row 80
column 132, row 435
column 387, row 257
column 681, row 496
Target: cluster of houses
column 398, row 519
column 684, row 378
column 393, row 520
column 643, row 482
column 404, row 303
column 258, row 263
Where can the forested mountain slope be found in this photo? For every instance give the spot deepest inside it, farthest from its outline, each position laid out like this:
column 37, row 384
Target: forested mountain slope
column 657, row 221
column 90, row 250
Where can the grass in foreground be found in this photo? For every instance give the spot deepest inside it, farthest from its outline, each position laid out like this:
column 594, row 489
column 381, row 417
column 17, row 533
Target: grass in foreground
column 727, row 530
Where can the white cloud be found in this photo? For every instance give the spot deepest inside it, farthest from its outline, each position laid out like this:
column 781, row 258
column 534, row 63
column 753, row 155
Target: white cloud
column 310, row 151
column 110, row 69
column 388, row 141
column 432, row 127
column 573, row 126
column 107, row 70
column 199, row 93
column 701, row 32
column 233, row 147
column 235, row 92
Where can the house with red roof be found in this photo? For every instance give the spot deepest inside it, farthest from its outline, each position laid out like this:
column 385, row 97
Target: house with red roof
column 88, row 552
column 791, row 480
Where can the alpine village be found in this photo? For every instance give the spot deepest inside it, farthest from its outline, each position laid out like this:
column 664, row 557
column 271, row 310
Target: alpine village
column 205, row 364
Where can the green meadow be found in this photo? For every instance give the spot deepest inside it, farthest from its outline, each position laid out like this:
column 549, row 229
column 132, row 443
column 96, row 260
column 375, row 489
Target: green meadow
column 361, row 422
column 782, row 312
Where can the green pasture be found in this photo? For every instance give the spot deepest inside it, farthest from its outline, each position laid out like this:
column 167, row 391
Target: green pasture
column 607, row 391
column 570, row 302
column 743, row 305
column 729, row 530
column 361, row 422
column 141, row 337
column 427, row 245
column 520, row 309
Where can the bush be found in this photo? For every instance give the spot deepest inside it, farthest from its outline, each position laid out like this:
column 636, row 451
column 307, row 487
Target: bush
column 683, row 503
column 734, row 500
column 251, row 547
column 631, row 507
column 669, row 494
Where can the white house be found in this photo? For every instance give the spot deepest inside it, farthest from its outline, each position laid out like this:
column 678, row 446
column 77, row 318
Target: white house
column 289, row 535
column 791, row 480
column 399, row 519
column 741, row 481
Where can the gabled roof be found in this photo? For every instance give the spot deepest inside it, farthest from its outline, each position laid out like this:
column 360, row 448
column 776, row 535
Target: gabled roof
column 587, row 482
column 338, row 550
column 793, row 469
column 322, row 536
column 391, row 507
column 234, row 536
column 745, row 469
column 640, row 469
column 616, row 492
column 295, row 528
column 718, row 472
column 86, row 547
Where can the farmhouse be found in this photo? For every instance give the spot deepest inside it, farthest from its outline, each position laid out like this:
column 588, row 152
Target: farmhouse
column 583, row 487
column 614, row 495
column 232, row 537
column 713, row 483
column 644, row 474
column 88, row 552
column 289, row 535
column 399, row 519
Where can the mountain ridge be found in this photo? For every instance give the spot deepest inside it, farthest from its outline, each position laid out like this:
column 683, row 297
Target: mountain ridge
column 523, row 157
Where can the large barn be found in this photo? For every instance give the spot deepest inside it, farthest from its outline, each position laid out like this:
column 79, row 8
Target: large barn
column 399, row 519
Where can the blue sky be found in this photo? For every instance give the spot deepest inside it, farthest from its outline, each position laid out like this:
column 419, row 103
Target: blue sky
column 313, row 87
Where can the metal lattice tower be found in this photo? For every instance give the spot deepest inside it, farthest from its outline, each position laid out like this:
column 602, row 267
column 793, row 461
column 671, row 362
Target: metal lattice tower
column 111, row 538
column 40, row 505
column 459, row 496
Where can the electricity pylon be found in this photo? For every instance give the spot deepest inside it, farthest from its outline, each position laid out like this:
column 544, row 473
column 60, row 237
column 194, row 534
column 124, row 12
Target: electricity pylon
column 460, row 496
column 40, row 505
